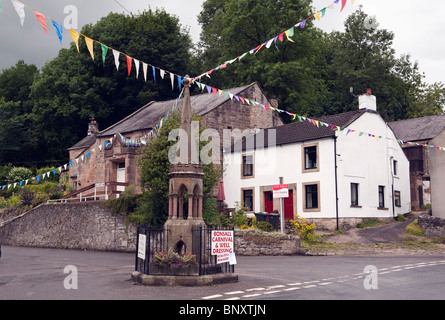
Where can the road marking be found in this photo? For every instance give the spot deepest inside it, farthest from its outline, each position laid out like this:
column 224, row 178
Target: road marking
column 234, row 292
column 213, row 297
column 252, row 295
column 256, row 292
column 255, row 289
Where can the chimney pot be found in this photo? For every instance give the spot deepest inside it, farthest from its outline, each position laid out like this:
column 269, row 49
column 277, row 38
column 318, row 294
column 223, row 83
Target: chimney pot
column 368, row 91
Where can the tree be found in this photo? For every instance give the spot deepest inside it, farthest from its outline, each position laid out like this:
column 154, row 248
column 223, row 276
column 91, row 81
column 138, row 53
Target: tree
column 12, row 135
column 292, row 74
column 72, row 87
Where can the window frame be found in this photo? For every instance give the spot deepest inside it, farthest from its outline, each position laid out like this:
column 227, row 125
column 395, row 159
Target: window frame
column 243, row 198
column 243, row 175
column 305, row 194
column 356, row 187
column 303, row 158
column 381, row 192
column 397, row 198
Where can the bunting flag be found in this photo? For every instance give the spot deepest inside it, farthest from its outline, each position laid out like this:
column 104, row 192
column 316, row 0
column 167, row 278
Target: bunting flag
column 317, row 123
column 90, row 46
column 279, row 37
column 145, row 70
column 59, row 30
column 104, row 52
column 1, row 6
column 20, row 8
column 75, row 35
column 129, row 62
column 116, row 58
column 136, row 65
column 41, row 18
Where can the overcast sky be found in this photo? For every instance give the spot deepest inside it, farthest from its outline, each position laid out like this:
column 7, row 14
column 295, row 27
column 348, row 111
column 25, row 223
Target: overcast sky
column 417, row 25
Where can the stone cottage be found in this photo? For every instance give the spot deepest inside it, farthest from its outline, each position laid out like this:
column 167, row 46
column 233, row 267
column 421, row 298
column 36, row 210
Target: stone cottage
column 419, row 131
column 112, row 161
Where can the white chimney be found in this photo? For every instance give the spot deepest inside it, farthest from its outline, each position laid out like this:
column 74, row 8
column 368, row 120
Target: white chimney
column 367, row 101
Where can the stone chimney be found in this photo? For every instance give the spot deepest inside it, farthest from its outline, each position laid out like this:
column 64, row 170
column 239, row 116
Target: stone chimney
column 93, row 128
column 367, row 101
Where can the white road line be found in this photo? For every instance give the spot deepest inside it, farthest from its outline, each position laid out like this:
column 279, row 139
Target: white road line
column 255, row 289
column 272, row 292
column 252, row 295
column 213, row 297
column 234, row 292
column 234, row 298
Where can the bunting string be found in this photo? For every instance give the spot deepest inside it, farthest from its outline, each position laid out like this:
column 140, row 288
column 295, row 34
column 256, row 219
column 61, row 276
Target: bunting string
column 289, row 33
column 90, row 43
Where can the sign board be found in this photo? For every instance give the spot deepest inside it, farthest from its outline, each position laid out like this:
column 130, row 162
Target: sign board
column 141, row 246
column 102, row 184
column 281, row 191
column 222, row 243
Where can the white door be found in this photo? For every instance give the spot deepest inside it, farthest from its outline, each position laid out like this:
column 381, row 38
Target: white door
column 121, row 175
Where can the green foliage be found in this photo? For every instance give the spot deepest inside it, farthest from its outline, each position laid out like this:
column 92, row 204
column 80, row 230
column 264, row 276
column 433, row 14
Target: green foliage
column 18, row 174
column 414, row 229
column 265, row 226
column 239, row 217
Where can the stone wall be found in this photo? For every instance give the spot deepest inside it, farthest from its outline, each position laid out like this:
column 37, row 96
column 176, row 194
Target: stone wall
column 432, row 226
column 91, row 226
column 82, row 226
column 257, row 243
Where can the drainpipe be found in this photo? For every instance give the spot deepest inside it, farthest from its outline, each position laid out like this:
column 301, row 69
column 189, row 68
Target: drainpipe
column 336, row 180
column 391, row 166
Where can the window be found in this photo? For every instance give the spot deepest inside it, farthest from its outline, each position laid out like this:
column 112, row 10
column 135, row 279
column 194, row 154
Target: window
column 310, row 158
column 354, row 194
column 381, row 196
column 248, row 199
column 395, row 167
column 311, row 196
column 397, row 200
column 247, row 167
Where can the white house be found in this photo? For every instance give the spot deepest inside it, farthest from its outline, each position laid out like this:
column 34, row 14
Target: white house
column 335, row 177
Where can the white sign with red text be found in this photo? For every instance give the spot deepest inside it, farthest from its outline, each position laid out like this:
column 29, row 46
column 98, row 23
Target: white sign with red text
column 222, row 245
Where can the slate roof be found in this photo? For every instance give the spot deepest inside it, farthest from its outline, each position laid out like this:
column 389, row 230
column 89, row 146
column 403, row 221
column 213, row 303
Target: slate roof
column 84, row 143
column 305, row 131
column 418, row 129
column 149, row 115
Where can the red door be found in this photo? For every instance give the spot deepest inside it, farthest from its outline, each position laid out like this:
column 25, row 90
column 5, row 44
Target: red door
column 268, row 201
column 289, row 206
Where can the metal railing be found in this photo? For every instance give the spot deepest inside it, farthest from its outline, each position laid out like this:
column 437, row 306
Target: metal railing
column 157, row 240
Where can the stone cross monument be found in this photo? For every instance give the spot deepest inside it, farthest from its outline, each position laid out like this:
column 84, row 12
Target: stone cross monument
column 185, row 186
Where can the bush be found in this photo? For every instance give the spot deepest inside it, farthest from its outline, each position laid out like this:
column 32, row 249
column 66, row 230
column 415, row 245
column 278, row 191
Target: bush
column 414, row 229
column 265, row 226
column 303, row 229
column 239, row 217
column 18, row 174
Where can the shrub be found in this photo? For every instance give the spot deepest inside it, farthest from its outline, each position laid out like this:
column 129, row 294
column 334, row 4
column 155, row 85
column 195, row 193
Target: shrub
column 414, row 229
column 265, row 226
column 239, row 217
column 18, row 174
column 304, row 230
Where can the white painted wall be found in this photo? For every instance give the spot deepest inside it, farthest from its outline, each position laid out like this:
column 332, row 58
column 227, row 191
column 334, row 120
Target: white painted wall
column 369, row 162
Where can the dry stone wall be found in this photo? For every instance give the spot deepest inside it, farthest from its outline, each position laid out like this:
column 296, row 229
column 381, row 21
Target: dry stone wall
column 82, row 226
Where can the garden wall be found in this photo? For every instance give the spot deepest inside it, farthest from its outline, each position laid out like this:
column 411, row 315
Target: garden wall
column 91, row 226
column 257, row 243
column 82, row 226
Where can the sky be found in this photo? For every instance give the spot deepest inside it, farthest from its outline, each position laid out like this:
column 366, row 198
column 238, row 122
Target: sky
column 417, row 25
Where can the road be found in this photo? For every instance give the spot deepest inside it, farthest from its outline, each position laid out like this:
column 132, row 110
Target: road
column 38, row 274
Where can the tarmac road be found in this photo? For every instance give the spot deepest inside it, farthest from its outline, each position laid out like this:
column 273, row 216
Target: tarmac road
column 38, row 274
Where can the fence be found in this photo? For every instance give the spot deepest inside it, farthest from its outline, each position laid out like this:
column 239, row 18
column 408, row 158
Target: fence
column 151, row 241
